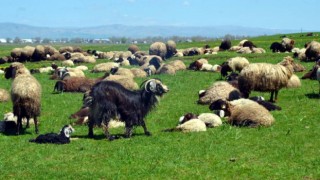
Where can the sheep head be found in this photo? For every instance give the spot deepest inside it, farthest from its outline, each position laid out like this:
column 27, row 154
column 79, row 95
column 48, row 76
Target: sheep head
column 15, row 69
column 155, row 86
column 187, row 117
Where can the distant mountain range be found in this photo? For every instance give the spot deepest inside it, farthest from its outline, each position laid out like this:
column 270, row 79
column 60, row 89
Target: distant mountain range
column 12, row 30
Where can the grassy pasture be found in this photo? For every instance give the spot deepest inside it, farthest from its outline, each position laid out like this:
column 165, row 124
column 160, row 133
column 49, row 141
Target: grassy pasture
column 287, row 150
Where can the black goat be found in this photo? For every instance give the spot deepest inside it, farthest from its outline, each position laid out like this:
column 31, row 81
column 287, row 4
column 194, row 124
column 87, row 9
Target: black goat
column 110, row 99
column 62, row 138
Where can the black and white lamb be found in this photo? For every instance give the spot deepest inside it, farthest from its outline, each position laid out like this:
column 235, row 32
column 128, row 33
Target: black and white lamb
column 53, row 138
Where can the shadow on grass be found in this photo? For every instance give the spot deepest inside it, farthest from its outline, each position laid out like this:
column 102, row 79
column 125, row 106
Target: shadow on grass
column 313, row 96
column 102, row 136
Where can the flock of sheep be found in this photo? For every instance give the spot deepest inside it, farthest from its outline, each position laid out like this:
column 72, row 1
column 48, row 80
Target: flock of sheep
column 116, row 97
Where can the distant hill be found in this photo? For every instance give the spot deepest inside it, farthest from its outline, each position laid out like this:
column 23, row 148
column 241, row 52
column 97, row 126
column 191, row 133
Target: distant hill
column 12, row 30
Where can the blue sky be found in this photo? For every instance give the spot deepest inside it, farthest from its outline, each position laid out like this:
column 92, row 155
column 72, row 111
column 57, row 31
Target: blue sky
column 274, row 14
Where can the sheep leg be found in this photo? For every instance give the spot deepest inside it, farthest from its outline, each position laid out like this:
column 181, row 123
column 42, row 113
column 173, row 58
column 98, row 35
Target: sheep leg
column 271, row 97
column 28, row 124
column 276, row 96
column 146, row 132
column 35, row 119
column 19, row 125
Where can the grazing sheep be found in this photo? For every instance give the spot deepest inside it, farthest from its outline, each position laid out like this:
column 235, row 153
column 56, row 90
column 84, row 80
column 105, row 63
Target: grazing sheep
column 110, row 99
column 225, row 45
column 219, row 90
column 16, row 53
column 39, row 53
column 258, row 50
column 263, row 77
column 312, row 50
column 159, row 49
column 288, row 44
column 133, row 48
column 233, row 64
column 6, row 59
column 62, row 138
column 66, row 49
column 244, row 112
column 26, row 53
column 25, row 94
column 235, row 48
column 4, row 95
column 171, row 49
column 196, row 65
column 277, row 47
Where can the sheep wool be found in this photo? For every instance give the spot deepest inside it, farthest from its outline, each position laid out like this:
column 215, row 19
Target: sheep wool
column 159, row 49
column 4, row 95
column 67, row 63
column 219, row 90
column 124, row 72
column 125, row 81
column 137, row 72
column 210, row 119
column 178, row 65
column 294, row 82
column 167, row 69
column 193, row 125
column 263, row 77
column 249, row 114
column 105, row 67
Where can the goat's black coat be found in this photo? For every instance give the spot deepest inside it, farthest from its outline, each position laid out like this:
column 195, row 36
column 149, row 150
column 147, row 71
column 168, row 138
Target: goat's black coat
column 110, row 99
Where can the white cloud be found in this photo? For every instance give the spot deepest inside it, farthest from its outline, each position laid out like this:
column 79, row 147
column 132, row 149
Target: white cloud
column 186, row 3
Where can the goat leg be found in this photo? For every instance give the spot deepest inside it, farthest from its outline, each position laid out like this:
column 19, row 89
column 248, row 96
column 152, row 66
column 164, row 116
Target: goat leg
column 106, row 132
column 90, row 126
column 128, row 132
column 146, row 132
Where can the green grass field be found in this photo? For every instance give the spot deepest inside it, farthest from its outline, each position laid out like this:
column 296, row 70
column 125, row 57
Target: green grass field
column 287, row 150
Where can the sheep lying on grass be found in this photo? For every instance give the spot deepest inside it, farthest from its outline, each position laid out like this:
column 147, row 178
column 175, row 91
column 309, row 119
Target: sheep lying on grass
column 210, row 119
column 219, row 90
column 25, row 94
column 245, row 112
